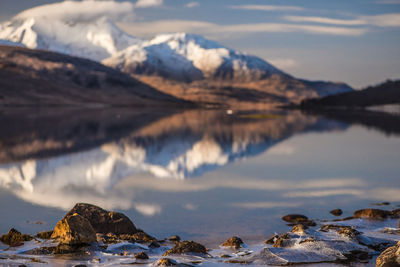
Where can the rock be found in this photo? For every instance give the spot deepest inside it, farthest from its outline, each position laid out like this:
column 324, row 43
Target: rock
column 80, row 265
column 186, row 247
column 381, row 204
column 14, row 238
column 166, row 262
column 371, row 214
column 45, row 234
column 174, row 238
column 234, row 242
column 271, row 240
column 294, row 219
column 74, row 230
column 104, row 221
column 299, row 228
column 395, row 213
column 348, row 232
column 336, row 212
column 141, row 256
column 154, row 244
column 390, row 257
column 139, row 237
column 71, row 249
column 283, row 241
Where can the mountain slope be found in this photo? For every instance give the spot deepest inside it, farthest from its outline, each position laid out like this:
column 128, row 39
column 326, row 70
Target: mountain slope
column 382, row 94
column 35, row 77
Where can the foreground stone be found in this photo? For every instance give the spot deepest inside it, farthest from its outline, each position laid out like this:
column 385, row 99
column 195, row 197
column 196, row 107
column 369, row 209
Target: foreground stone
column 390, row 257
column 14, row 238
column 166, row 262
column 298, row 219
column 44, row 235
column 186, row 247
column 371, row 214
column 74, row 230
column 234, row 242
column 104, row 221
column 336, row 212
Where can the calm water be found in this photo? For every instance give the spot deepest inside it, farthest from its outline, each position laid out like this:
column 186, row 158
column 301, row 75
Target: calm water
column 204, row 175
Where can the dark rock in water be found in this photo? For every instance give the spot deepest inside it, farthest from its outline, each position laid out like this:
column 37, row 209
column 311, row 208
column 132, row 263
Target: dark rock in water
column 234, row 242
column 14, row 238
column 74, row 230
column 166, row 262
column 283, row 241
column 271, row 240
column 395, row 213
column 154, row 244
column 381, row 204
column 371, row 214
column 104, row 221
column 348, row 232
column 71, row 249
column 45, row 234
column 336, row 212
column 141, row 256
column 80, row 265
column 22, row 265
column 186, row 247
column 299, row 228
column 390, row 257
column 139, row 237
column 174, row 238
column 294, row 218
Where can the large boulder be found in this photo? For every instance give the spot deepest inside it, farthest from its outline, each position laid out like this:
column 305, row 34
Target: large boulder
column 186, row 247
column 390, row 257
column 74, row 230
column 371, row 214
column 14, row 238
column 104, row 221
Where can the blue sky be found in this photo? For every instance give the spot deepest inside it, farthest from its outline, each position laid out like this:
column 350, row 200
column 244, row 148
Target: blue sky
column 355, row 41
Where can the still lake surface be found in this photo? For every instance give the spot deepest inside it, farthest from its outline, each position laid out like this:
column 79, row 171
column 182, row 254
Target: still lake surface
column 202, row 174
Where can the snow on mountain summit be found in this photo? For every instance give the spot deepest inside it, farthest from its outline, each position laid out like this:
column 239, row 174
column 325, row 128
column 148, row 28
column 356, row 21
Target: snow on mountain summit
column 188, row 57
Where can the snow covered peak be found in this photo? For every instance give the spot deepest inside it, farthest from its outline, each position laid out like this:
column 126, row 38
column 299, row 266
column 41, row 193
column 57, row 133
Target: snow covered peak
column 75, row 28
column 189, row 57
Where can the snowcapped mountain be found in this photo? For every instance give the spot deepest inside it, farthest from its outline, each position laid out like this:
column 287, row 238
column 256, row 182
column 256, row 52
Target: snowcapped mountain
column 94, row 40
column 189, row 57
column 86, row 29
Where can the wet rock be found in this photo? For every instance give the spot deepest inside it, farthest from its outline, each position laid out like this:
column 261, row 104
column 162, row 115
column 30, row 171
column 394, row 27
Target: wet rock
column 283, row 241
column 371, row 214
column 71, row 249
column 141, row 256
column 186, row 247
column 45, row 234
column 381, row 204
column 139, row 237
column 14, row 238
column 234, row 242
column 166, row 262
column 294, row 218
column 336, row 212
column 348, row 232
column 154, row 244
column 74, row 230
column 104, row 221
column 390, row 257
column 174, row 238
column 271, row 240
column 80, row 265
column 299, row 229
column 395, row 213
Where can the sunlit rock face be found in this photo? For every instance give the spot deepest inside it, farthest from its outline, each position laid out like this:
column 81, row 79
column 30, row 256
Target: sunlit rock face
column 176, row 147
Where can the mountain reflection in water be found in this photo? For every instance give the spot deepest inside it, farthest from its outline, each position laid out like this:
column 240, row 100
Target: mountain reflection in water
column 184, row 166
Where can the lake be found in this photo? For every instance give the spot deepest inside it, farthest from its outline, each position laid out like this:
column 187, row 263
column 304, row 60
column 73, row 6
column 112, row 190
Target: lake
column 201, row 174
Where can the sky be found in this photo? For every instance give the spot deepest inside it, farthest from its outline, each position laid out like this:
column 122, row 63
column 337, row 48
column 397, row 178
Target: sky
column 357, row 41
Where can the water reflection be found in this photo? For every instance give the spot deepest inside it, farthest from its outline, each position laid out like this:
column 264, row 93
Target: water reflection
column 191, row 169
column 178, row 146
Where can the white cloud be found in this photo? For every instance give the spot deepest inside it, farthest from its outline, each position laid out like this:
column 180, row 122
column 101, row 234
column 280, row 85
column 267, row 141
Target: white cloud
column 79, row 11
column 148, row 3
column 267, row 7
column 148, row 29
column 192, row 4
column 148, row 209
column 383, row 20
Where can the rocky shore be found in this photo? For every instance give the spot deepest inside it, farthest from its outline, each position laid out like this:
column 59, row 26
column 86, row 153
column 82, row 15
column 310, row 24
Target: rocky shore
column 89, row 235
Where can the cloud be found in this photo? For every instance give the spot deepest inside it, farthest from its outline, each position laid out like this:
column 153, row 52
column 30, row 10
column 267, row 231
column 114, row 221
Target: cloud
column 218, row 31
column 148, row 3
column 88, row 10
column 324, row 193
column 384, row 20
column 192, row 4
column 148, row 209
column 267, row 7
